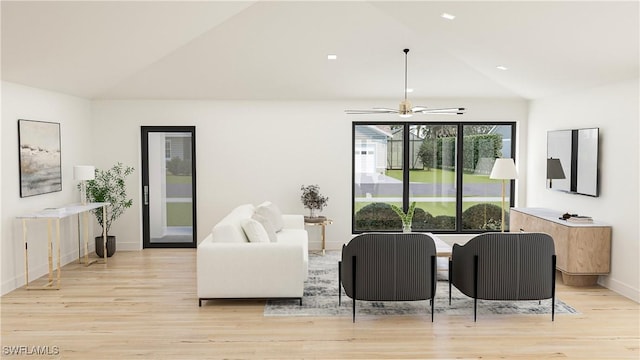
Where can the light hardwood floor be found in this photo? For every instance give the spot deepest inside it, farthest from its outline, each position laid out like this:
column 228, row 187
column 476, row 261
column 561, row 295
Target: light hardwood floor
column 143, row 305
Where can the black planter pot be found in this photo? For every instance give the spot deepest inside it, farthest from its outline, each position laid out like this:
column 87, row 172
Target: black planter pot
column 111, row 246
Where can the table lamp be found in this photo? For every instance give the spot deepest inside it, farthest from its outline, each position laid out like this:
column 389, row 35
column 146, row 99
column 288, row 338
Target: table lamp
column 83, row 173
column 503, row 169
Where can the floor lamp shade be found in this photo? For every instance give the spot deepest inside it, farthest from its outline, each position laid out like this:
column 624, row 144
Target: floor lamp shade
column 83, row 173
column 503, row 169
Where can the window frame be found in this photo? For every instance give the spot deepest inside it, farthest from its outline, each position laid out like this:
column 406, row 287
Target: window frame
column 406, row 125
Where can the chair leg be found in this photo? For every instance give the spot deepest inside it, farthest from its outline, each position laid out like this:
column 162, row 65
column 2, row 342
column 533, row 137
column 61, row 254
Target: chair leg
column 433, row 284
column 553, row 288
column 353, row 282
column 450, row 276
column 475, row 287
column 339, row 283
column 432, row 309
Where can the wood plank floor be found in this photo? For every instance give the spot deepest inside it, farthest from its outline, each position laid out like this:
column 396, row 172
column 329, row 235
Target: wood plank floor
column 143, row 305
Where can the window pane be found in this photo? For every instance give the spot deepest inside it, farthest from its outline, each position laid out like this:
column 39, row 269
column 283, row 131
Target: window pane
column 481, row 202
column 432, row 176
column 377, row 163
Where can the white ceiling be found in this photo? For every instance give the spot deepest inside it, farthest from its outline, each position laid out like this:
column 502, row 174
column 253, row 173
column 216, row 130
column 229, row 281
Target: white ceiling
column 278, row 49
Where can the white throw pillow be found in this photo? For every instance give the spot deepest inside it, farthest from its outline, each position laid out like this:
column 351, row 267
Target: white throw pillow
column 255, row 231
column 272, row 213
column 267, row 225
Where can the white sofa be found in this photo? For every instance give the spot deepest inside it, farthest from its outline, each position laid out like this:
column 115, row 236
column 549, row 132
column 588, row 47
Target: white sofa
column 229, row 265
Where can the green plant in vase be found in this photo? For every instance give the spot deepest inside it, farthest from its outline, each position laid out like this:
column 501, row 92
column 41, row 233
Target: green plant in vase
column 109, row 186
column 407, row 218
column 312, row 199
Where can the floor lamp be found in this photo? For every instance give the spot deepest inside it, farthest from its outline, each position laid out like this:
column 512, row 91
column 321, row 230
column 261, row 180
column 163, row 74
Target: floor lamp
column 83, row 173
column 503, row 169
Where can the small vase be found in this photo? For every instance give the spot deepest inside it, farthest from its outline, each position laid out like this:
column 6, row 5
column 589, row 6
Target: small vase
column 406, row 227
column 312, row 213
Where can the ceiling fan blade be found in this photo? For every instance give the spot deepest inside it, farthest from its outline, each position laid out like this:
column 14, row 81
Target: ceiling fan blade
column 371, row 111
column 454, row 111
column 385, row 109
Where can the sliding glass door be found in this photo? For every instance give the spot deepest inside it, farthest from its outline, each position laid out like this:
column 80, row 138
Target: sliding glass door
column 443, row 167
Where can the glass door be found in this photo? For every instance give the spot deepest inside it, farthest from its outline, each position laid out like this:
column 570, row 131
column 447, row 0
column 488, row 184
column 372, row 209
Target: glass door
column 168, row 186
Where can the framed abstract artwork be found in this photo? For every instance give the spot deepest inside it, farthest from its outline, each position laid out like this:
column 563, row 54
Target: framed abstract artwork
column 40, row 160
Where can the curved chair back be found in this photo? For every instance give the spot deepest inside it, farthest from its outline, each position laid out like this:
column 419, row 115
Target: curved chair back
column 505, row 266
column 389, row 267
column 511, row 266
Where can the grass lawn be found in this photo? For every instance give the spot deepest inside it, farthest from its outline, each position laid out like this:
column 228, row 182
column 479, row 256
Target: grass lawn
column 178, row 179
column 179, row 214
column 439, row 176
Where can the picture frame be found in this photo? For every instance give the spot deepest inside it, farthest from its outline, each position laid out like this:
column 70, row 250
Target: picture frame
column 40, row 157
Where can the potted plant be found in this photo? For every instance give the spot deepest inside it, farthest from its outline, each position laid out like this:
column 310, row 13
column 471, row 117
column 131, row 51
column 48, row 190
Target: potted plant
column 109, row 186
column 407, row 218
column 313, row 200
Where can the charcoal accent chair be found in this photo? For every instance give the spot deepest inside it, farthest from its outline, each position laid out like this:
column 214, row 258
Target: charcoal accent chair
column 505, row 266
column 388, row 267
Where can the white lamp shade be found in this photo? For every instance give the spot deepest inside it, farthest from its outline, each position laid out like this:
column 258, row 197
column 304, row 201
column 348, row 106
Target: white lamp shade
column 84, row 172
column 504, row 168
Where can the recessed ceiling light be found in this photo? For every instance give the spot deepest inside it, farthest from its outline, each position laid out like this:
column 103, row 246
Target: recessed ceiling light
column 332, row 57
column 500, row 67
column 447, row 16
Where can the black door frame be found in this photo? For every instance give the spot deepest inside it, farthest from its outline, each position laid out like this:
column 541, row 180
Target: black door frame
column 146, row 236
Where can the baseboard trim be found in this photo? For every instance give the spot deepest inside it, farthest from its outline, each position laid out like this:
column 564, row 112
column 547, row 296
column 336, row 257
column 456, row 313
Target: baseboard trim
column 620, row 288
column 39, row 270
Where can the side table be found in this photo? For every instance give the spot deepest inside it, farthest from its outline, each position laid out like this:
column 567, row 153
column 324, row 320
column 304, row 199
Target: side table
column 322, row 222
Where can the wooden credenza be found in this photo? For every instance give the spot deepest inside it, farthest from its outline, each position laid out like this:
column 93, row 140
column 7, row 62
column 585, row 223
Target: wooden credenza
column 583, row 251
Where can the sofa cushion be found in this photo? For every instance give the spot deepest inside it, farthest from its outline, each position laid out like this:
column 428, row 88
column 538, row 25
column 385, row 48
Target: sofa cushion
column 268, row 226
column 255, row 231
column 270, row 211
column 229, row 229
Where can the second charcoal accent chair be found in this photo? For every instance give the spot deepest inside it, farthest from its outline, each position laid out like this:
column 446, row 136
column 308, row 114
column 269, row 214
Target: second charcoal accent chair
column 389, row 267
column 505, row 266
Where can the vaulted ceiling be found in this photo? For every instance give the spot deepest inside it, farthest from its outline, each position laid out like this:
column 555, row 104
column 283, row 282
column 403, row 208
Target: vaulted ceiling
column 278, row 49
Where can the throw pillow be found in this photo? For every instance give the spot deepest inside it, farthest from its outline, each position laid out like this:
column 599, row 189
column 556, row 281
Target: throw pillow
column 268, row 227
column 255, row 231
column 272, row 213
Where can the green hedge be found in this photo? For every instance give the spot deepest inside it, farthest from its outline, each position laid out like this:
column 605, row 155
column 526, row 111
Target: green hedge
column 380, row 216
column 477, row 147
column 440, row 153
column 482, row 217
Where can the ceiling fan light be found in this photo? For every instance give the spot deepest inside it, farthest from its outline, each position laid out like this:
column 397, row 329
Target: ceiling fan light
column 405, row 107
column 406, row 116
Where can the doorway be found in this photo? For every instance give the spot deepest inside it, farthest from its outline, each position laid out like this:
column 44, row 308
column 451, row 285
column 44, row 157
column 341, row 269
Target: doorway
column 169, row 186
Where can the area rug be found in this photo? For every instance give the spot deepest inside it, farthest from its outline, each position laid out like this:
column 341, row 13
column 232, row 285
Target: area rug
column 321, row 299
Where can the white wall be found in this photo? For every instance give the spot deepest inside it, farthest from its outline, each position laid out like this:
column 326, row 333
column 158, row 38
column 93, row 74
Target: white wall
column 614, row 109
column 248, row 152
column 73, row 114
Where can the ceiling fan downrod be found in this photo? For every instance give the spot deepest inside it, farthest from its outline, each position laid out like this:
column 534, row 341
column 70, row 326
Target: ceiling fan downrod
column 406, row 51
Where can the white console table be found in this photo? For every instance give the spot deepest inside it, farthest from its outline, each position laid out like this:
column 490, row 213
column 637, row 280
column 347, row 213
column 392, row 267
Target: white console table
column 583, row 250
column 55, row 215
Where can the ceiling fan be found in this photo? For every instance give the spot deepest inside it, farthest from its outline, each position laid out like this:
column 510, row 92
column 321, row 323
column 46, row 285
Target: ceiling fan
column 405, row 109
